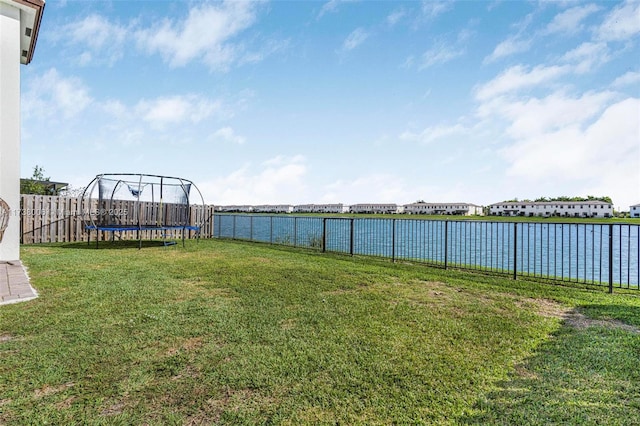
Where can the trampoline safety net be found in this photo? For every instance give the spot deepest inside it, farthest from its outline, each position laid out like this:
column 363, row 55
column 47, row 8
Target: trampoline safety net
column 121, row 202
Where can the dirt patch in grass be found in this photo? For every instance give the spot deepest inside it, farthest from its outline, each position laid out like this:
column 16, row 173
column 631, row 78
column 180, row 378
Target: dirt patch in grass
column 230, row 400
column 113, row 410
column 288, row 324
column 547, row 308
column 5, row 337
column 66, row 403
column 188, row 345
column 50, row 390
column 575, row 319
column 522, row 371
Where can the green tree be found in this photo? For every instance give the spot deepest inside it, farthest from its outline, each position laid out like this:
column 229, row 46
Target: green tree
column 34, row 185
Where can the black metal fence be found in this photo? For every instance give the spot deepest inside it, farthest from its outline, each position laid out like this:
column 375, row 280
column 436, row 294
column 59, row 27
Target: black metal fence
column 591, row 253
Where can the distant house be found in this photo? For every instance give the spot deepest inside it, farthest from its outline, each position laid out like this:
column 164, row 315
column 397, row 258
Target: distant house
column 634, row 210
column 273, row 208
column 49, row 187
column 234, row 209
column 552, row 208
column 463, row 209
column 375, row 208
column 320, row 208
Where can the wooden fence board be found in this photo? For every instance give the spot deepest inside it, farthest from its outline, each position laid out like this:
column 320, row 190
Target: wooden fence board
column 49, row 219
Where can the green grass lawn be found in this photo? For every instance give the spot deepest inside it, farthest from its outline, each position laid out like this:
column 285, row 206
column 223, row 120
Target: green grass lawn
column 239, row 333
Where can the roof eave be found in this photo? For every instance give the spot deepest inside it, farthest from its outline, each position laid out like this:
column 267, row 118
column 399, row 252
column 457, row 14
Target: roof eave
column 30, row 17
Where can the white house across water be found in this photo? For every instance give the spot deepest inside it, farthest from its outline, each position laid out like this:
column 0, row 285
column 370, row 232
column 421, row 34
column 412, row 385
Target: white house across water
column 552, row 208
column 320, row 208
column 375, row 208
column 464, row 209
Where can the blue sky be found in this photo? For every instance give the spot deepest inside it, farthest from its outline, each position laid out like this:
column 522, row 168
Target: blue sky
column 341, row 101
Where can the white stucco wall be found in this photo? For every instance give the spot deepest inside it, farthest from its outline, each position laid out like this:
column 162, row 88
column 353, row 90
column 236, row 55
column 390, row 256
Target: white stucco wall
column 10, row 126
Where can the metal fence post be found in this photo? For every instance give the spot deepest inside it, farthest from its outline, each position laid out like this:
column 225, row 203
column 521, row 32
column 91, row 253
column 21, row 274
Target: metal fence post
column 295, row 231
column 251, row 227
column 324, row 234
column 446, row 243
column 234, row 227
column 393, row 240
column 515, row 250
column 351, row 242
column 270, row 229
column 610, row 258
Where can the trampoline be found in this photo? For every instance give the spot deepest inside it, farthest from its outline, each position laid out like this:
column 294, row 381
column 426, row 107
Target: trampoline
column 126, row 203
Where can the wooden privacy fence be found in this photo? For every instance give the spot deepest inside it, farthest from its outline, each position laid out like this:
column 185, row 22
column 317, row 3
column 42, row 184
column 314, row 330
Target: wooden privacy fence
column 52, row 219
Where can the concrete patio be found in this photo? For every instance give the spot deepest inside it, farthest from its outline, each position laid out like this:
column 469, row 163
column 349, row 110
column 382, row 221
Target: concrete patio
column 14, row 283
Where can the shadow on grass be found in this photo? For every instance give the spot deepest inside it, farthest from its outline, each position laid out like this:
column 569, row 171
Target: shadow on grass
column 123, row 244
column 586, row 373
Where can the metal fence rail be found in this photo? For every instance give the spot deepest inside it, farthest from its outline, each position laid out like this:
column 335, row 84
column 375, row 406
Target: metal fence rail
column 598, row 254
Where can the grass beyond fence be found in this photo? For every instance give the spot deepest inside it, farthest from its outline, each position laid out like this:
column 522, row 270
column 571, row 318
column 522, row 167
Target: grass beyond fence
column 238, row 333
column 588, row 253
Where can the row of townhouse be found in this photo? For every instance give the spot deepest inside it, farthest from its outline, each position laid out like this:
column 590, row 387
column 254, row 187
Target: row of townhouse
column 321, row 208
column 552, row 208
column 460, row 209
column 369, row 208
column 375, row 208
column 511, row 208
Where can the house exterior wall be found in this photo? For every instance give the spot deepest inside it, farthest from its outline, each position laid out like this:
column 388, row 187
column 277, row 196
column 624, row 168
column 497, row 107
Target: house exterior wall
column 319, row 208
column 634, row 210
column 464, row 209
column 275, row 208
column 234, row 209
column 553, row 208
column 374, row 208
column 10, row 127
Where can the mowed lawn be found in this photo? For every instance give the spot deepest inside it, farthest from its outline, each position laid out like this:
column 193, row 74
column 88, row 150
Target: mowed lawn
column 224, row 332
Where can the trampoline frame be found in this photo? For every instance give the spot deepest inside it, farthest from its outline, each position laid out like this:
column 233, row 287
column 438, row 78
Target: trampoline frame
column 92, row 223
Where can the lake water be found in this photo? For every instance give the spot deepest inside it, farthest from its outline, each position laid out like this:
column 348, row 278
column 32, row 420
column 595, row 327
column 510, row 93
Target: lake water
column 578, row 252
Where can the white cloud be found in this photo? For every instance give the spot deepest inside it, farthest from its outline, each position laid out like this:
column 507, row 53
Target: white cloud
column 355, row 39
column 432, row 9
column 279, row 180
column 371, row 188
column 621, row 23
column 605, row 150
column 534, row 117
column 332, row 6
column 52, row 95
column 394, row 17
column 227, row 134
column 587, row 56
column 439, row 54
column 519, row 77
column 206, row 34
column 628, row 79
column 163, row 111
column 570, row 21
column 104, row 40
column 508, row 47
column 431, row 134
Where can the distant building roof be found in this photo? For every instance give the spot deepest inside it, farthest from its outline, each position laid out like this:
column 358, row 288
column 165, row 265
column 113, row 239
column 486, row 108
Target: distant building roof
column 50, row 186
